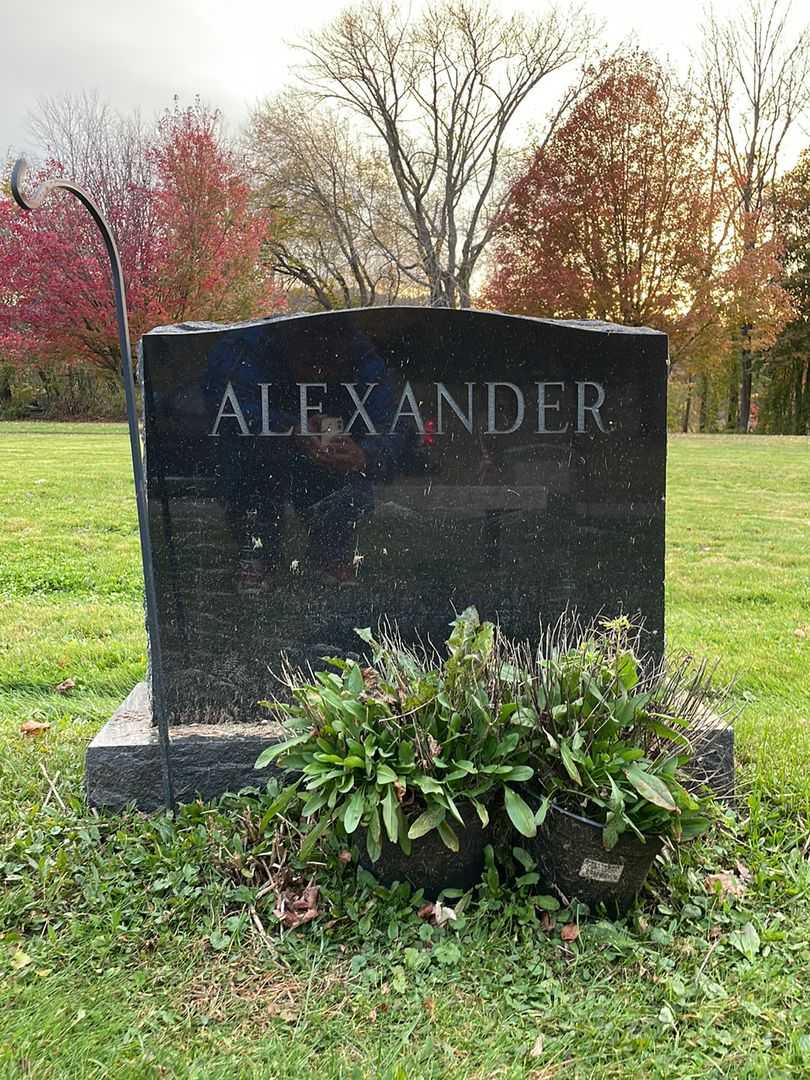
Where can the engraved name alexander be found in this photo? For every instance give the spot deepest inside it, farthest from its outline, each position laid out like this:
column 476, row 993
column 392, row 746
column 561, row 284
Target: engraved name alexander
column 495, row 408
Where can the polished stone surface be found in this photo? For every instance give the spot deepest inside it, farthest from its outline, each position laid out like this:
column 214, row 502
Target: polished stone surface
column 511, row 463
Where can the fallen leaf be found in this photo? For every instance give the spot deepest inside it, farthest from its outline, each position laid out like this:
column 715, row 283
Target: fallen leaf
column 436, row 914
column 725, row 884
column 293, row 911
column 370, row 678
column 546, row 922
column 537, row 1048
column 373, row 1016
column 743, row 872
column 442, row 914
column 345, row 857
column 33, row 727
column 800, row 632
column 570, row 932
column 66, row 686
column 19, row 960
column 309, row 897
column 429, row 1005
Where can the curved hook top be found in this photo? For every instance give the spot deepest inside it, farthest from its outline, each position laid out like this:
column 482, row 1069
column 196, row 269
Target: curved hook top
column 36, row 198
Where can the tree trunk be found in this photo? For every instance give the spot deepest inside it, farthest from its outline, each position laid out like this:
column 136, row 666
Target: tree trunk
column 803, row 402
column 438, row 294
column 703, row 417
column 464, row 274
column 746, row 381
column 688, row 409
column 796, row 421
column 731, row 406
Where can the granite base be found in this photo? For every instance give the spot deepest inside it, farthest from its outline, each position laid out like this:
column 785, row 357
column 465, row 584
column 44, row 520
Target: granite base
column 123, row 768
column 122, row 764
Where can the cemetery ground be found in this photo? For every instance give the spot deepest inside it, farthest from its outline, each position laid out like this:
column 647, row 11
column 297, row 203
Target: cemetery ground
column 131, row 946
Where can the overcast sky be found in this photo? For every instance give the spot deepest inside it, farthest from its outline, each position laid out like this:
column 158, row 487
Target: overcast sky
column 142, row 52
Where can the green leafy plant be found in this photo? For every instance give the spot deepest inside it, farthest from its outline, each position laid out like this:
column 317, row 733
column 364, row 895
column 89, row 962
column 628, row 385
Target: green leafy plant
column 409, row 742
column 616, row 730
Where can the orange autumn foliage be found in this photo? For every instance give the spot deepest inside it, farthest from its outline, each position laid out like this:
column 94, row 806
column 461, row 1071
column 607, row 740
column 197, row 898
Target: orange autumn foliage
column 622, row 216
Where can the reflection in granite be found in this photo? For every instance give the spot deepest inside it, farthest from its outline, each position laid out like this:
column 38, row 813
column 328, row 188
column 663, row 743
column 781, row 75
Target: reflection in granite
column 311, row 474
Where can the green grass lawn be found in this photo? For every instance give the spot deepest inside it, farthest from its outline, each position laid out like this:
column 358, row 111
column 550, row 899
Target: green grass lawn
column 130, row 947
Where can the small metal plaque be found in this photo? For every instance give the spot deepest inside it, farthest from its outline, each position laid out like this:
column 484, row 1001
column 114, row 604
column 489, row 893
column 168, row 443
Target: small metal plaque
column 594, row 870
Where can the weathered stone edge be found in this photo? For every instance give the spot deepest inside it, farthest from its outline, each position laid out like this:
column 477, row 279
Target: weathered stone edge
column 122, row 764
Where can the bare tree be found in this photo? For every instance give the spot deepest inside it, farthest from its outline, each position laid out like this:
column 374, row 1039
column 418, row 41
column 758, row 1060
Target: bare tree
column 441, row 92
column 756, row 77
column 338, row 223
column 97, row 146
column 105, row 151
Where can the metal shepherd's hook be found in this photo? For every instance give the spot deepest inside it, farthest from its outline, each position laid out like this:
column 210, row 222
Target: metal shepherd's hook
column 33, row 201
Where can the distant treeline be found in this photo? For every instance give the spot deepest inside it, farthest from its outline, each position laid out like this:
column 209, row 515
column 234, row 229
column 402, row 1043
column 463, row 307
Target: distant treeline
column 392, row 171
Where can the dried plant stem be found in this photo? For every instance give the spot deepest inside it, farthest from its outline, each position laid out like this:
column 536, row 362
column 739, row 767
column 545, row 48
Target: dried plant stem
column 52, row 787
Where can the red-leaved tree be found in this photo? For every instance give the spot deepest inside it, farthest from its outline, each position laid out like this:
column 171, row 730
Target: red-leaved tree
column 190, row 240
column 614, row 218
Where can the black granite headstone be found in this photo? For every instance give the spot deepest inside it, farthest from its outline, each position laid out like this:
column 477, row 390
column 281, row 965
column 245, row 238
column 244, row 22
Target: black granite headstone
column 313, row 474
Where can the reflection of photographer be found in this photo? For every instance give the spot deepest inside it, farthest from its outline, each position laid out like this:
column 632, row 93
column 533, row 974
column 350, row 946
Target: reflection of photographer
column 332, row 449
column 326, row 474
column 331, row 491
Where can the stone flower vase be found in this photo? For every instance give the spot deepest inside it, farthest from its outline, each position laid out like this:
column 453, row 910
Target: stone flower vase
column 431, row 865
column 572, row 859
